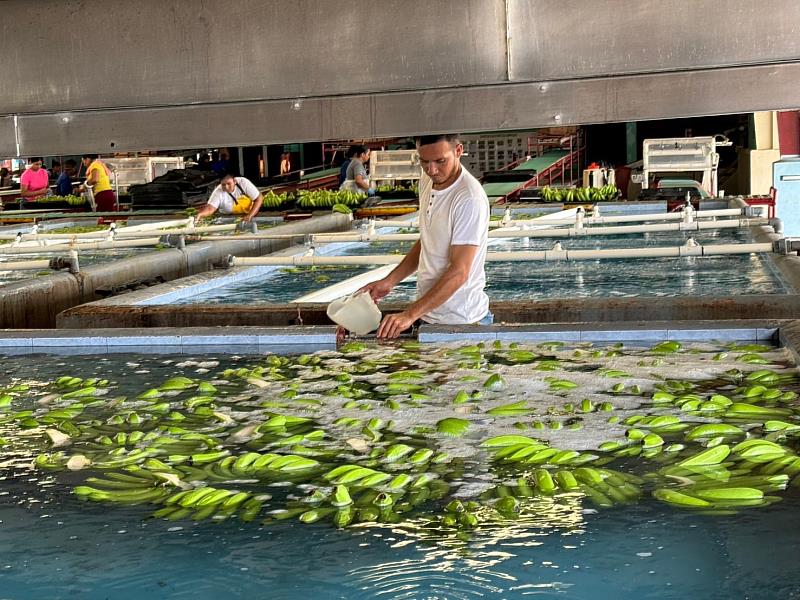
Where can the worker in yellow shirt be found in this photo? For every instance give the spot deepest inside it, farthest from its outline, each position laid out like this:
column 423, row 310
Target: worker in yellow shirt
column 98, row 178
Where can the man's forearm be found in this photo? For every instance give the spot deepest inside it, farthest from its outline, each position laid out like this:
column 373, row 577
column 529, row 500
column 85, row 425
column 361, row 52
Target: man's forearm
column 205, row 211
column 32, row 194
column 256, row 207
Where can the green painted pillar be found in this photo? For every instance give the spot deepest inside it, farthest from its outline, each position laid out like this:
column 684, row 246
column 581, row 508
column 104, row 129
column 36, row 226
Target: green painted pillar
column 631, row 147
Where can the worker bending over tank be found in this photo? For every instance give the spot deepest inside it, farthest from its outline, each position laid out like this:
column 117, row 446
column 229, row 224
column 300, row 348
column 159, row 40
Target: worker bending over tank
column 450, row 254
column 234, row 196
column 35, row 181
column 98, row 178
column 356, row 179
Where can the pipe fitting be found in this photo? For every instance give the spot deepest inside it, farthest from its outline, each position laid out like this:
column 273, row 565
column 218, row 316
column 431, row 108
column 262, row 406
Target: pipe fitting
column 786, row 246
column 74, row 265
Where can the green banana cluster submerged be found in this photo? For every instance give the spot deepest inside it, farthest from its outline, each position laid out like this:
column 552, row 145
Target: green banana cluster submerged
column 383, row 434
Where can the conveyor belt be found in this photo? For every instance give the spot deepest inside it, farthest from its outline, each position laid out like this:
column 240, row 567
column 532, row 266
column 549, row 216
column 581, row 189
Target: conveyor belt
column 543, row 162
column 501, row 188
column 319, row 174
column 538, row 164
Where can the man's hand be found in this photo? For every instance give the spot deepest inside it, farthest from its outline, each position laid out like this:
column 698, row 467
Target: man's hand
column 377, row 289
column 393, row 325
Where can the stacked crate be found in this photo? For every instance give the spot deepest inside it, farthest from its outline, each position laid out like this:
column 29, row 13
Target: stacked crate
column 492, row 152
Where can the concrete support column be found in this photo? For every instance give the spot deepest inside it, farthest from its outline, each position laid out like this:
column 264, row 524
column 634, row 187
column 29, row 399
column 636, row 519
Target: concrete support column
column 755, row 162
column 631, row 146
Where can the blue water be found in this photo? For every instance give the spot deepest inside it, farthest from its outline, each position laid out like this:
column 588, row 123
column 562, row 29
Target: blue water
column 690, row 276
column 54, row 546
column 62, row 548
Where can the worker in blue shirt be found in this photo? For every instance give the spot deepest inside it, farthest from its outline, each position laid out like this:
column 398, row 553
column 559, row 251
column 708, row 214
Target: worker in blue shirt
column 64, row 181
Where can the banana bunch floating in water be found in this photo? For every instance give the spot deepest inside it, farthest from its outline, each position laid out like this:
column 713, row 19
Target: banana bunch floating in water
column 329, row 437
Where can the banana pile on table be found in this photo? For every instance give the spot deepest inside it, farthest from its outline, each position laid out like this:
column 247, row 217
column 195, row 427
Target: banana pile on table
column 607, row 193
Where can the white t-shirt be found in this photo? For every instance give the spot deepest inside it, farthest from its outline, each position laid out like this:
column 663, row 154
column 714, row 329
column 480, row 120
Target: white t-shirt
column 455, row 216
column 223, row 200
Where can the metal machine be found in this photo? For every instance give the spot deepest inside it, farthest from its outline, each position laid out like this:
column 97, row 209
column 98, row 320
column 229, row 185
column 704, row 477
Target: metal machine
column 394, row 165
column 683, row 155
column 142, row 169
column 786, row 183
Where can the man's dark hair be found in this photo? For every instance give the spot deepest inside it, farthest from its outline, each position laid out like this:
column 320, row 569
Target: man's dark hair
column 90, row 156
column 56, row 164
column 351, row 151
column 34, row 159
column 357, row 149
column 70, row 163
column 424, row 140
column 225, row 174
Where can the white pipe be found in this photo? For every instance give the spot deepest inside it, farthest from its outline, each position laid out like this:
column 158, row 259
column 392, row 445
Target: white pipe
column 159, row 225
column 104, row 245
column 55, row 236
column 519, row 256
column 517, row 232
column 676, row 216
column 136, row 230
column 25, row 265
column 249, row 236
column 125, row 232
column 395, row 223
column 71, row 242
column 353, row 284
column 319, row 238
column 348, row 286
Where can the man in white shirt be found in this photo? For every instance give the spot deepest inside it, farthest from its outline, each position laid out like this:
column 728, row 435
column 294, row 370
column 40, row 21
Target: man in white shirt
column 234, row 196
column 450, row 254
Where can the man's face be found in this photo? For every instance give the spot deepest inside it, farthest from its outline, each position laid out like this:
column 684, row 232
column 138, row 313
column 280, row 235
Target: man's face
column 229, row 184
column 440, row 161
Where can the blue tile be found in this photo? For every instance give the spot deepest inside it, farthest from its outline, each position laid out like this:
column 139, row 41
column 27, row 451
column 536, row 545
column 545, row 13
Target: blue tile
column 16, row 342
column 310, row 338
column 72, row 350
column 144, row 340
column 638, row 335
column 723, row 335
column 222, row 339
column 152, row 348
column 17, row 350
column 539, row 336
column 436, row 336
column 72, row 341
column 767, row 334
